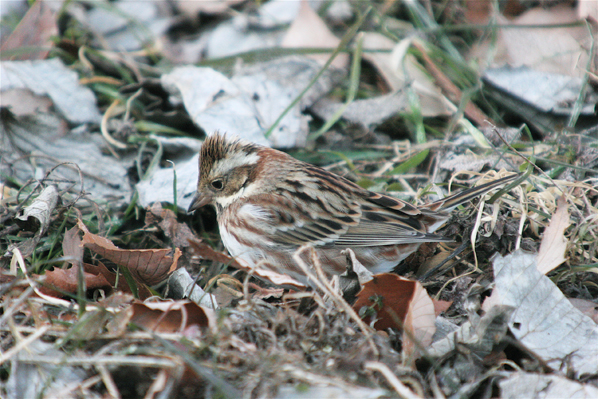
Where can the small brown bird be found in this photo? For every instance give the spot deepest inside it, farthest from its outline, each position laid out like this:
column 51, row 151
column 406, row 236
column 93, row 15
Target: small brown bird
column 269, row 204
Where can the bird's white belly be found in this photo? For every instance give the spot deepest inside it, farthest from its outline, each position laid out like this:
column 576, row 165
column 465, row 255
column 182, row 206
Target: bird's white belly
column 244, row 254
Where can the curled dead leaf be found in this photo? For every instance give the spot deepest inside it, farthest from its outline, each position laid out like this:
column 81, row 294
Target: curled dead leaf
column 39, row 212
column 399, row 303
column 171, row 316
column 148, row 266
column 59, row 282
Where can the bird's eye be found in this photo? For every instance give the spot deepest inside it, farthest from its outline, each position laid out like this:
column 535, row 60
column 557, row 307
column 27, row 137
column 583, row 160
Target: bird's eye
column 218, row 184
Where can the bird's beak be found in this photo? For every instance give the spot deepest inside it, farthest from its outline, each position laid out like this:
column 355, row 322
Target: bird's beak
column 198, row 201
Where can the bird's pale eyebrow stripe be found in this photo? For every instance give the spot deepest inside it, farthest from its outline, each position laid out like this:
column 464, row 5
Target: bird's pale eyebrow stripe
column 234, row 161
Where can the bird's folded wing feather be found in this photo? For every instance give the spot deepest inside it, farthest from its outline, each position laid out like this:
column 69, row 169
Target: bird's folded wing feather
column 326, row 223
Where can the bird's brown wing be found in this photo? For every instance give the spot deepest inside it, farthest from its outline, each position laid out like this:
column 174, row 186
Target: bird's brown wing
column 326, row 210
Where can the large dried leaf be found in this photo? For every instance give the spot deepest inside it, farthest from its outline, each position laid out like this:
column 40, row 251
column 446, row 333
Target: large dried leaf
column 52, row 78
column 368, row 112
column 399, row 303
column 559, row 49
column 119, row 284
column 149, row 266
column 554, row 244
column 45, row 137
column 545, row 91
column 159, row 187
column 544, row 320
column 247, row 104
column 128, row 25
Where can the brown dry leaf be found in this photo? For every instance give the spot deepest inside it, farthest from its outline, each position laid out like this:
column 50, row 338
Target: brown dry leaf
column 420, row 322
column 35, row 30
column 149, row 266
column 308, row 30
column 142, row 291
column 171, row 316
column 179, row 233
column 400, row 303
column 59, row 281
column 382, row 61
column 554, row 244
column 23, row 102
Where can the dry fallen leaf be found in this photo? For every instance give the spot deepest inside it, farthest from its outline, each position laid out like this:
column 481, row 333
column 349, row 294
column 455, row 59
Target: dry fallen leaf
column 554, row 244
column 121, row 283
column 59, row 281
column 171, row 316
column 34, row 31
column 401, row 70
column 148, row 266
column 533, row 385
column 588, row 9
column 204, row 251
column 399, row 303
column 308, row 30
column 561, row 50
column 179, row 233
column 544, row 320
column 39, row 212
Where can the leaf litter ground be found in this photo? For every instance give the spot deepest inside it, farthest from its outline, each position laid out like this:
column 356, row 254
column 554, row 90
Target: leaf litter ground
column 78, row 320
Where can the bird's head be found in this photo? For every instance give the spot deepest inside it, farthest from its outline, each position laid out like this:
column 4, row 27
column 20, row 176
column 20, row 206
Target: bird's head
column 227, row 169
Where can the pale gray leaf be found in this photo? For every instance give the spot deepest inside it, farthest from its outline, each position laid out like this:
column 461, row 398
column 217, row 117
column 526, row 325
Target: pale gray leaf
column 51, row 78
column 528, row 385
column 544, row 320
